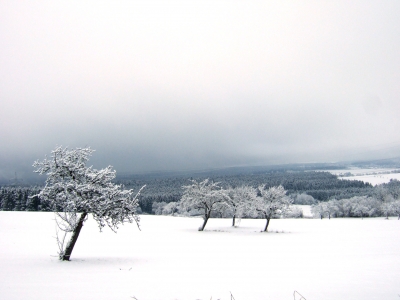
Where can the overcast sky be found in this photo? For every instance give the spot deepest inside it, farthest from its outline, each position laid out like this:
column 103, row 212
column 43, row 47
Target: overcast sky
column 172, row 85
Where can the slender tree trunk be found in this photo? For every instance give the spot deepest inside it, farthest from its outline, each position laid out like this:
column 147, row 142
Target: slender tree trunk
column 204, row 223
column 233, row 220
column 68, row 250
column 207, row 214
column 266, row 225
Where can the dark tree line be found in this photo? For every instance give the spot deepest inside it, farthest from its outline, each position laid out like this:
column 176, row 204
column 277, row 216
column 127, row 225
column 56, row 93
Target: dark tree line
column 146, row 202
column 323, row 186
column 16, row 198
column 320, row 185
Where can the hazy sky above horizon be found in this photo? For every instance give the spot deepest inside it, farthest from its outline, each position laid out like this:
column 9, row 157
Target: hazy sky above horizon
column 172, row 85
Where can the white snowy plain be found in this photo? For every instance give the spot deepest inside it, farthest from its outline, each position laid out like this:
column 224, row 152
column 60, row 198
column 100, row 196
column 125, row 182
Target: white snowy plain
column 374, row 179
column 374, row 176
column 169, row 259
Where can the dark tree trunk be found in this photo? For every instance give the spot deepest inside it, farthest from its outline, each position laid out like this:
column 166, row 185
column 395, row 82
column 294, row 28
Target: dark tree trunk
column 206, row 217
column 233, row 220
column 266, row 225
column 68, row 250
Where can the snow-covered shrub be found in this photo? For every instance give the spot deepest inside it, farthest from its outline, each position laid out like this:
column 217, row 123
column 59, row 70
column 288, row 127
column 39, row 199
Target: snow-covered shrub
column 303, row 199
column 294, row 212
column 365, row 206
column 158, row 207
column 318, row 210
column 391, row 208
column 358, row 206
column 171, row 208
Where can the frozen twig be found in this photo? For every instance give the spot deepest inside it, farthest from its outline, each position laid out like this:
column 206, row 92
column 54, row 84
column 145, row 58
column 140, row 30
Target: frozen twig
column 297, row 293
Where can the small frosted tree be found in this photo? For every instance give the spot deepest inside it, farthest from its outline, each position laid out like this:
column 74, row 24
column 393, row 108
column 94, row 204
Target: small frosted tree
column 386, row 209
column 74, row 191
column 271, row 203
column 331, row 208
column 171, row 208
column 346, row 208
column 319, row 210
column 394, row 208
column 387, row 205
column 322, row 209
column 206, row 196
column 365, row 206
column 239, row 199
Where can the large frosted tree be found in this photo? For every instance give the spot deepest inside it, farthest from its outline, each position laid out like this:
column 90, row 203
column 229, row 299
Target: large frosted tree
column 74, row 190
column 205, row 195
column 271, row 203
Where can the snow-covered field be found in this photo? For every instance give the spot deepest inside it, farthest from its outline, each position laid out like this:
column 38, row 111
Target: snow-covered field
column 375, row 179
column 169, row 259
column 373, row 176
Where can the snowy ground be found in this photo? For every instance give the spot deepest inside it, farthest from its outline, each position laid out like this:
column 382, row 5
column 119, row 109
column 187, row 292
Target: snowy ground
column 374, row 176
column 169, row 259
column 375, row 179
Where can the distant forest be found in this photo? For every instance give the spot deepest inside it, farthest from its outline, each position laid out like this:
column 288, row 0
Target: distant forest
column 322, row 186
